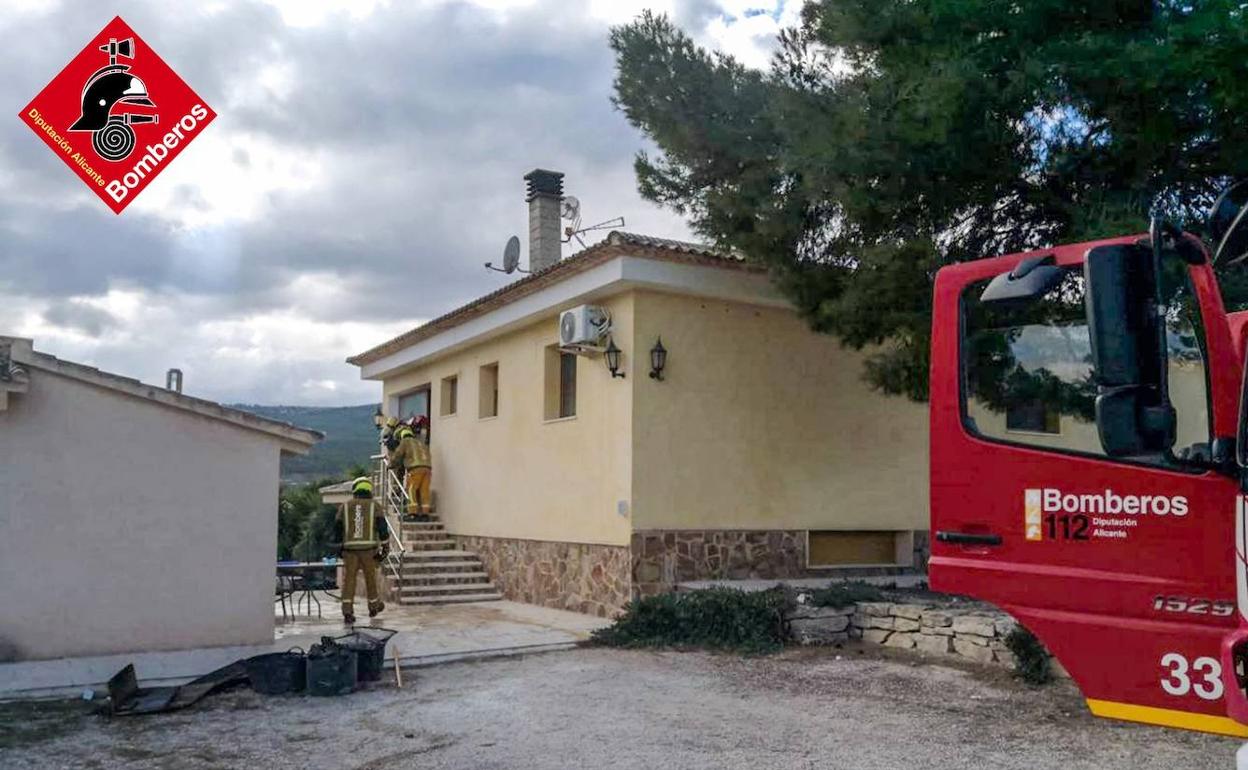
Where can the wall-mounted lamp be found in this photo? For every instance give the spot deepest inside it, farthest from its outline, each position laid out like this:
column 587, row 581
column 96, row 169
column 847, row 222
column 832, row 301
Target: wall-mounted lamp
column 378, row 418
column 658, row 360
column 613, row 358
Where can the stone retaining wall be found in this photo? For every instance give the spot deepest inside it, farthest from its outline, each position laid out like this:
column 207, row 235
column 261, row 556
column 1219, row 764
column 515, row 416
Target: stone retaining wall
column 663, row 558
column 582, row 577
column 977, row 634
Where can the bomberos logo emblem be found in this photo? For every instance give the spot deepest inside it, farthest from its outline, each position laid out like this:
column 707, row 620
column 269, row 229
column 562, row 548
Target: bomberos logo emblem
column 1040, row 504
column 117, row 115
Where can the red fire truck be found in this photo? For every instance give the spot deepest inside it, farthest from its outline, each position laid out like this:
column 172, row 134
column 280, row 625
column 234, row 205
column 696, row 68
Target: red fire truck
column 1089, row 463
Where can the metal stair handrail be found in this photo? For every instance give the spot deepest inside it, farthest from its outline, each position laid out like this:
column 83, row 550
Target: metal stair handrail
column 394, row 504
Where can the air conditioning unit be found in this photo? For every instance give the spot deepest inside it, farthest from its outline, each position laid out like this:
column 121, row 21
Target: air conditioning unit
column 583, row 326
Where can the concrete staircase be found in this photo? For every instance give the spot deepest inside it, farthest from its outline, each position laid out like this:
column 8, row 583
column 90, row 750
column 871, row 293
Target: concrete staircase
column 434, row 571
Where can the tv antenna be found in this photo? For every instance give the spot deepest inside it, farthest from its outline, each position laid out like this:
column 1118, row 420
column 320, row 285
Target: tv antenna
column 511, row 258
column 570, row 209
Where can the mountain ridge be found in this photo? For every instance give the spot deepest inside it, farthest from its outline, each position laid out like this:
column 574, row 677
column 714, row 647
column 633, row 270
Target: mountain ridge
column 350, row 438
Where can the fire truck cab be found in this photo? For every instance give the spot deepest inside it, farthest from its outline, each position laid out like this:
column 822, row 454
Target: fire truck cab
column 1087, row 463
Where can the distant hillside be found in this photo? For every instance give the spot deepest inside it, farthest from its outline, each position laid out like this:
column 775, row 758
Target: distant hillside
column 350, row 438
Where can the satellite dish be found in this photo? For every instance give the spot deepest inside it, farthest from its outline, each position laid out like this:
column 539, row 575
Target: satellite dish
column 569, row 208
column 511, row 255
column 511, row 258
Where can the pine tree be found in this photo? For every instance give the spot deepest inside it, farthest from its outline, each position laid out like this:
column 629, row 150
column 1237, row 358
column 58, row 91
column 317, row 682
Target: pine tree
column 891, row 137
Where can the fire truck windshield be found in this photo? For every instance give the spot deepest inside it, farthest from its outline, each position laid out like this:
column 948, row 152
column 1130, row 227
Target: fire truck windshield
column 1028, row 375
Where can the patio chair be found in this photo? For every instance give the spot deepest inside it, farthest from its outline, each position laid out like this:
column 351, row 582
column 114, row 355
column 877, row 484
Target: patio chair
column 285, row 590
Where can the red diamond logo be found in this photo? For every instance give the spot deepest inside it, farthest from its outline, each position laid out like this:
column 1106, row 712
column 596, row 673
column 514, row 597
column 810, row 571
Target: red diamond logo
column 117, row 115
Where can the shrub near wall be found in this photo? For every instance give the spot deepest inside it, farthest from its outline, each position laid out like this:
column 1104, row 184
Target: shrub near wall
column 764, row 621
column 717, row 619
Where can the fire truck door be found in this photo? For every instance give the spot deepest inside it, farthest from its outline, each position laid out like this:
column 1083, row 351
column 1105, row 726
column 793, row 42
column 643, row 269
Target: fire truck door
column 1121, row 561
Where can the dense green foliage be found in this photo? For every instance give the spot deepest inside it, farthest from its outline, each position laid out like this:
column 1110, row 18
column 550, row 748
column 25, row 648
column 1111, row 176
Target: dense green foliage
column 350, row 437
column 716, row 618
column 845, row 594
column 306, row 529
column 1032, row 659
column 891, row 137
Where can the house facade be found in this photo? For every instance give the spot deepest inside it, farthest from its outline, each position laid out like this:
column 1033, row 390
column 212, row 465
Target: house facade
column 134, row 518
column 757, row 452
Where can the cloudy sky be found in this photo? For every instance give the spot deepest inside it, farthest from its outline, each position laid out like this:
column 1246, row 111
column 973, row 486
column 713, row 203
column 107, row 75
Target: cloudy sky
column 367, row 159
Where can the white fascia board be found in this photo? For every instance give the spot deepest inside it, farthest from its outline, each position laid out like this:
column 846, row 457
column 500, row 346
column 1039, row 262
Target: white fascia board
column 751, row 288
column 611, row 277
column 595, row 281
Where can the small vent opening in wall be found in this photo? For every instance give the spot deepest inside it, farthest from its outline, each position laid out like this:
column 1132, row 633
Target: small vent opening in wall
column 845, row 548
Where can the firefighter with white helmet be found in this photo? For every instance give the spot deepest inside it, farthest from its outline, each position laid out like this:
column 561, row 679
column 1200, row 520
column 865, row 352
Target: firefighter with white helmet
column 365, row 540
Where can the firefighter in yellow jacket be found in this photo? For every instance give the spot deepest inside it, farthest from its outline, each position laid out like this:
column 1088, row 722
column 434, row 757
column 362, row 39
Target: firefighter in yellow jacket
column 365, row 540
column 412, row 454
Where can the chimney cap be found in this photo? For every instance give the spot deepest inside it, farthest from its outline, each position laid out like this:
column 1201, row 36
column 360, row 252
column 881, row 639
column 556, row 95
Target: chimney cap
column 544, row 182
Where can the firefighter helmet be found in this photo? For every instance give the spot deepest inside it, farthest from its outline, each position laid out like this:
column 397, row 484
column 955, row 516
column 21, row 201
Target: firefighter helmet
column 109, row 87
column 362, row 485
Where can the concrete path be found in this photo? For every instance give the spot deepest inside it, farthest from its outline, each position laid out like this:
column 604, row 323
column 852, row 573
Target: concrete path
column 441, row 633
column 595, row 708
column 427, row 634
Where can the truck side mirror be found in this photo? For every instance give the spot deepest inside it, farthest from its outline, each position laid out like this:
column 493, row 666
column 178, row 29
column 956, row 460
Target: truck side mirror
column 1133, row 412
column 1030, row 279
column 1228, row 223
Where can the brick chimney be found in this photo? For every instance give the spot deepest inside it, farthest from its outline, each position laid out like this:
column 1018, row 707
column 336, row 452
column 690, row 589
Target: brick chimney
column 545, row 193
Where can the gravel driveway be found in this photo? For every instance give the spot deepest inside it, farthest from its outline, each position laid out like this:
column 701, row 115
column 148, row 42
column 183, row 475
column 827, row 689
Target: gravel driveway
column 627, row 709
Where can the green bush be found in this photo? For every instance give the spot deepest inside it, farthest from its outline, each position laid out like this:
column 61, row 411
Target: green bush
column 715, row 618
column 1032, row 659
column 844, row 594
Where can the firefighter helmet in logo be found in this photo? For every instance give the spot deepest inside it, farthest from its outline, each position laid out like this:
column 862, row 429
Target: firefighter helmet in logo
column 111, row 135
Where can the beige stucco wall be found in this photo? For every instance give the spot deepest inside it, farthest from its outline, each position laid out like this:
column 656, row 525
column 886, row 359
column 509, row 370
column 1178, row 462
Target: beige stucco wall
column 519, row 475
column 128, row 526
column 762, row 424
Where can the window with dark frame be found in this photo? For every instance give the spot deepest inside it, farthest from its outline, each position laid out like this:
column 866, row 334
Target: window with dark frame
column 567, row 384
column 487, row 401
column 450, row 396
column 1034, row 416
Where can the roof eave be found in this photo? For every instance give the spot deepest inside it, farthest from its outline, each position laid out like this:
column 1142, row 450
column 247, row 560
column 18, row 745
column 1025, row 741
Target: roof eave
column 616, row 244
column 293, row 439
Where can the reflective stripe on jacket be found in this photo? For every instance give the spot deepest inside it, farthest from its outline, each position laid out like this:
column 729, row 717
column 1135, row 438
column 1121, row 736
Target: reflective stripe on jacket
column 359, row 525
column 411, row 452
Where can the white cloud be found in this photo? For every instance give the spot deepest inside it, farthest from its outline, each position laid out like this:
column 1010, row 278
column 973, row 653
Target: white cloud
column 313, row 13
column 366, row 160
column 280, row 356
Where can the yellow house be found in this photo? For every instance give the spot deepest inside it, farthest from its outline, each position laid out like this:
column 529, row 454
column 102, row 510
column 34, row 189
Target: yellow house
column 756, row 452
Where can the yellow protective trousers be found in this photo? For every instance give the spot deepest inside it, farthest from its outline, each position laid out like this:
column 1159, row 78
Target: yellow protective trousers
column 353, row 560
column 416, row 481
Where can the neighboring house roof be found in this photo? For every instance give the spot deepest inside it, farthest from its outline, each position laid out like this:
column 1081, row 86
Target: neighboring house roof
column 616, row 244
column 293, row 438
column 333, row 492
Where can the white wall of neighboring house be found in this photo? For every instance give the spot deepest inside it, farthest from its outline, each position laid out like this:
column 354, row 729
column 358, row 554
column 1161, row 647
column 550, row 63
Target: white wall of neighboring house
column 130, row 525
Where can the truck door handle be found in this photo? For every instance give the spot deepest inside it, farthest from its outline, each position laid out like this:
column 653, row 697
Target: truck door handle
column 968, row 538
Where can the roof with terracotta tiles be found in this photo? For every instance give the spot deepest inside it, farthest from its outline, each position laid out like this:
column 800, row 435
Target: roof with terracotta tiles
column 616, row 244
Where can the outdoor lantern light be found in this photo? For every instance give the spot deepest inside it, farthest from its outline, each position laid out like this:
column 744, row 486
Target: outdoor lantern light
column 613, row 358
column 378, row 418
column 658, row 360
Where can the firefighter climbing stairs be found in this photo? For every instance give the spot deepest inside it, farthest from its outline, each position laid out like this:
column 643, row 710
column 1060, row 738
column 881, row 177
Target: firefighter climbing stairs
column 428, row 567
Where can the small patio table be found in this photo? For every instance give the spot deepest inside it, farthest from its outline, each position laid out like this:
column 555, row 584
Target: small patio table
column 310, row 577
